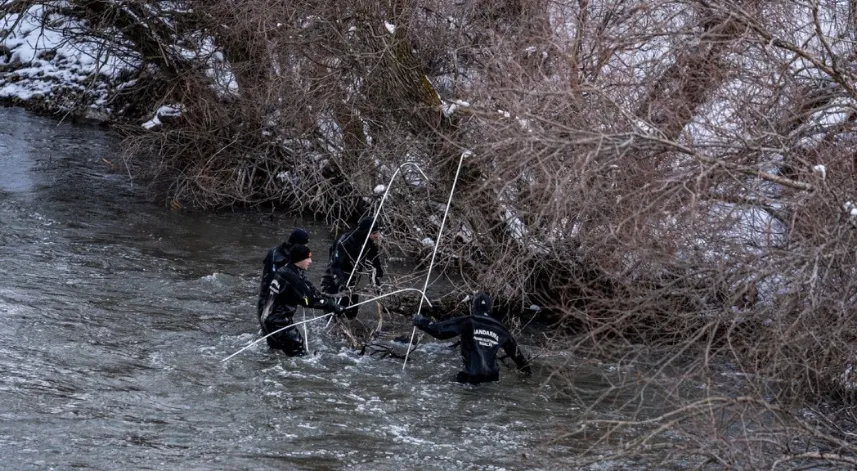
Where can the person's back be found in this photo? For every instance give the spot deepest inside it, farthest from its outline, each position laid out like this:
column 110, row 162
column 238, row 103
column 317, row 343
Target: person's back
column 480, row 342
column 357, row 247
column 482, row 336
column 346, row 250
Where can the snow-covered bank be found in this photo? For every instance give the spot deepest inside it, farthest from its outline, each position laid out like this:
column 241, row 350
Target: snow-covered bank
column 43, row 65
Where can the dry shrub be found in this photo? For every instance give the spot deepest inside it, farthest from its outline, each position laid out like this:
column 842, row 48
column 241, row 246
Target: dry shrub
column 672, row 181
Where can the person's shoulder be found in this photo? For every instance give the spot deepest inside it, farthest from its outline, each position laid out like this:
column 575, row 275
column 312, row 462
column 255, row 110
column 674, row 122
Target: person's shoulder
column 468, row 319
column 290, row 273
column 490, row 321
column 288, row 269
column 270, row 253
column 340, row 241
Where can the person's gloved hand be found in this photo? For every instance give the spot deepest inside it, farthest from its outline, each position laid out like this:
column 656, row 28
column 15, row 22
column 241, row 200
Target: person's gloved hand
column 322, row 303
column 329, row 304
column 419, row 319
column 338, row 310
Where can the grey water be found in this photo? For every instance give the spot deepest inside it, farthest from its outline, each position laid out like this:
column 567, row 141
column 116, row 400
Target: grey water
column 115, row 314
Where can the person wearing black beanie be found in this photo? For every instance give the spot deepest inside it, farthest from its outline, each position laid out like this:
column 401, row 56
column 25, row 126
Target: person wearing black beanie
column 290, row 289
column 299, row 253
column 344, row 258
column 482, row 337
column 277, row 258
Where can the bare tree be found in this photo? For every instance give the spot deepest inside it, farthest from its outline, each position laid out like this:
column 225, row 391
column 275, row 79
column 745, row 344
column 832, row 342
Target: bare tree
column 671, row 181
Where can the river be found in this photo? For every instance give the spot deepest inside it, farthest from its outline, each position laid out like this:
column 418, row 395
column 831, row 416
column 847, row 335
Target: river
column 117, row 313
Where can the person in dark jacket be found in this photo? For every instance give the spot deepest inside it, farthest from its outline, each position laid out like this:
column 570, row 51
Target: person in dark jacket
column 277, row 258
column 344, row 257
column 481, row 337
column 290, row 289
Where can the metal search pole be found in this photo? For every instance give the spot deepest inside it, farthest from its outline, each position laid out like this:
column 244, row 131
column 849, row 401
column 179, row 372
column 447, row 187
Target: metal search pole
column 276, row 331
column 378, row 212
column 464, row 154
column 323, row 316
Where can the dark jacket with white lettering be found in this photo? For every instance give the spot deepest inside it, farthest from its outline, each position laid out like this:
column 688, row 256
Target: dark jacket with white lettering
column 288, row 290
column 481, row 337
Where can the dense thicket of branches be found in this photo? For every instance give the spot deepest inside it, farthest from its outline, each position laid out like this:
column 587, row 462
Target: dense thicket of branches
column 673, row 179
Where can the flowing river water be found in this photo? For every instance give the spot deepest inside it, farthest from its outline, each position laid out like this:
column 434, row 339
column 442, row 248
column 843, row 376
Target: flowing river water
column 115, row 314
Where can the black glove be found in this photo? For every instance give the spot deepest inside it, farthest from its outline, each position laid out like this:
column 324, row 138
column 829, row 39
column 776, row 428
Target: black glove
column 419, row 319
column 325, row 304
column 338, row 310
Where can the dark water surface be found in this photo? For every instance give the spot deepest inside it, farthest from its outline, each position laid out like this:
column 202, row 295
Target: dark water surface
column 115, row 314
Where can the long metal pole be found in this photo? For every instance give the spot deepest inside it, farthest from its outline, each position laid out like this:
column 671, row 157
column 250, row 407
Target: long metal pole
column 327, row 315
column 436, row 245
column 274, row 332
column 377, row 212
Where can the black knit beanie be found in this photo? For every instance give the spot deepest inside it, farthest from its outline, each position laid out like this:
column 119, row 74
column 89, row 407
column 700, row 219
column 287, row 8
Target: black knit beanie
column 299, row 253
column 366, row 222
column 482, row 304
column 299, row 236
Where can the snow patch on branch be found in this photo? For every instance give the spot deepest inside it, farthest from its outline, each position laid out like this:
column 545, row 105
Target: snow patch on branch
column 821, row 170
column 448, row 108
column 167, row 111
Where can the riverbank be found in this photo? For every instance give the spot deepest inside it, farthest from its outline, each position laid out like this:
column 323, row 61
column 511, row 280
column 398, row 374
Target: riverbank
column 49, row 70
column 619, row 180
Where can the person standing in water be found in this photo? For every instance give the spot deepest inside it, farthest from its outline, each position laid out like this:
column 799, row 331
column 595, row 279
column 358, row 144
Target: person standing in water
column 277, row 258
column 290, row 289
column 482, row 336
column 344, row 256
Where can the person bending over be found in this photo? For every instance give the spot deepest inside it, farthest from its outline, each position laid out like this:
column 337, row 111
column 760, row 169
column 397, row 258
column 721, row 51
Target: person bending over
column 290, row 289
column 343, row 259
column 481, row 337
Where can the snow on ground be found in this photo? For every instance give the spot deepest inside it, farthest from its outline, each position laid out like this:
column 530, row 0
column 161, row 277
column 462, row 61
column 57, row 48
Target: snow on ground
column 41, row 63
